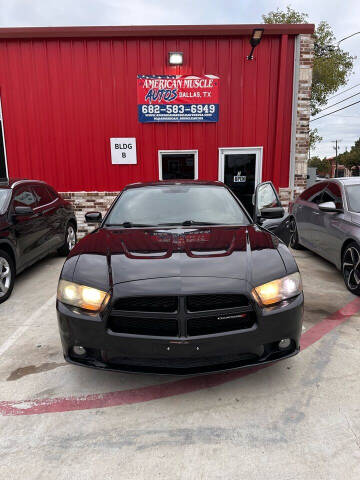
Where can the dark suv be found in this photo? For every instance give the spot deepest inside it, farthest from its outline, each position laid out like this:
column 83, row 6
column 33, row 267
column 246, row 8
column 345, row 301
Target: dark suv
column 34, row 220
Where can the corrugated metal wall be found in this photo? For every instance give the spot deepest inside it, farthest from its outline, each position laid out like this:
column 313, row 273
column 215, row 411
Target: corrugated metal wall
column 63, row 99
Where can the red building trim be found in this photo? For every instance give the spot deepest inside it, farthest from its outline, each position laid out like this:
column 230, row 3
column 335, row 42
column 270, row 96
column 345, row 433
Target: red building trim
column 153, row 31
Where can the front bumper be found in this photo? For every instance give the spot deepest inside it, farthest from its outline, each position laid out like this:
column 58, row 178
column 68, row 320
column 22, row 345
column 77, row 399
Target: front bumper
column 107, row 350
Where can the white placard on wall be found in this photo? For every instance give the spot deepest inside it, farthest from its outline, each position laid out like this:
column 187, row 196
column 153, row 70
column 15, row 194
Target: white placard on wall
column 123, row 151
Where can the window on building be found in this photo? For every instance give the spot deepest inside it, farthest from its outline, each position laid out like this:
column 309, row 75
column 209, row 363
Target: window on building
column 180, row 166
column 341, row 172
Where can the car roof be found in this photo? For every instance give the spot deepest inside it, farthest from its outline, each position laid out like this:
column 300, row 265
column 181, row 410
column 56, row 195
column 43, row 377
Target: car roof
column 162, row 183
column 347, row 180
column 13, row 182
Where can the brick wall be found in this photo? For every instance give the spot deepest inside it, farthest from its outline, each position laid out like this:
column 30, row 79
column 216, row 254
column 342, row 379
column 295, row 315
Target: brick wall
column 303, row 112
column 87, row 202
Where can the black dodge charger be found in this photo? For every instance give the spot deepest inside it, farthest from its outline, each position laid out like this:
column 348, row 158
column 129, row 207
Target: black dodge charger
column 178, row 278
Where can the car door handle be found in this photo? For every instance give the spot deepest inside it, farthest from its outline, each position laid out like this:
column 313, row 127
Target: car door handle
column 316, row 213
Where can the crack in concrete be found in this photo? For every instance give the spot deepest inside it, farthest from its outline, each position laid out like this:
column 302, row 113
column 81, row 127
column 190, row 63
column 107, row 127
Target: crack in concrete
column 152, row 438
column 357, row 439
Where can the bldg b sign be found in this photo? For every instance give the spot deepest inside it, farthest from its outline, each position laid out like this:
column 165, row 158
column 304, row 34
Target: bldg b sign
column 123, row 151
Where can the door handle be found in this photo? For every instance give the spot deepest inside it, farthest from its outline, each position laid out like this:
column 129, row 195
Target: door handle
column 316, row 213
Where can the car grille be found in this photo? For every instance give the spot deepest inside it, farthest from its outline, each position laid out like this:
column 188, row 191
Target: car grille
column 147, row 304
column 163, row 327
column 198, row 303
column 186, row 365
column 183, row 316
column 223, row 323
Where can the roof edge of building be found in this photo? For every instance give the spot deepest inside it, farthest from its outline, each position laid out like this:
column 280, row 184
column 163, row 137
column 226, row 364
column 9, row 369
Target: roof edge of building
column 153, row 31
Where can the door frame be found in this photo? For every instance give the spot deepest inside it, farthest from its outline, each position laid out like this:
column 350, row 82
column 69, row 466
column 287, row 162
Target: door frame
column 258, row 151
column 3, row 141
column 191, row 152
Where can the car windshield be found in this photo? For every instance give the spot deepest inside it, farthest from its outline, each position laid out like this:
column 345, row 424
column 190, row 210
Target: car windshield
column 4, row 196
column 353, row 197
column 176, row 205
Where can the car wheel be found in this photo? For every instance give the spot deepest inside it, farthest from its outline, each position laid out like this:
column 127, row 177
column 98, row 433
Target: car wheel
column 7, row 276
column 351, row 268
column 294, row 237
column 70, row 240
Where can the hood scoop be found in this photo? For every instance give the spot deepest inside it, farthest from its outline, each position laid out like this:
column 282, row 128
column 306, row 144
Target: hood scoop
column 146, row 255
column 210, row 253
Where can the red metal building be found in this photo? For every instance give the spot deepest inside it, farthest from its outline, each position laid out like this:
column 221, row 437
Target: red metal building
column 65, row 92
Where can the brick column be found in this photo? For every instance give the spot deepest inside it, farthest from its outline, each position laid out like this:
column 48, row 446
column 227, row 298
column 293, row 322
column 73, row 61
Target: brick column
column 303, row 112
column 304, row 54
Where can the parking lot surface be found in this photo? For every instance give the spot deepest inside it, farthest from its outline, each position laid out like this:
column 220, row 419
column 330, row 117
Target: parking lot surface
column 296, row 419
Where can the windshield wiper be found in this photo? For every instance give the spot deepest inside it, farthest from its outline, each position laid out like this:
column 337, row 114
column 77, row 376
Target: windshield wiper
column 185, row 223
column 128, row 225
column 188, row 223
column 195, row 222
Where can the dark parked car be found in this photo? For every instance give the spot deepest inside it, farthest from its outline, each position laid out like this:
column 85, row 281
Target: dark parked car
column 325, row 218
column 34, row 220
column 179, row 279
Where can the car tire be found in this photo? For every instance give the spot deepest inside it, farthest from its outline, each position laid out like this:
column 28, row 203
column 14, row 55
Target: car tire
column 350, row 267
column 294, row 236
column 70, row 240
column 7, row 275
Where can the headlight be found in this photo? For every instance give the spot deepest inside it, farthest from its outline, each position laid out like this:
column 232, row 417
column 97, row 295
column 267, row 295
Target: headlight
column 278, row 290
column 82, row 296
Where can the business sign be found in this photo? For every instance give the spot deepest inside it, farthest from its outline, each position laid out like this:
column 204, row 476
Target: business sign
column 239, row 179
column 123, row 151
column 178, row 98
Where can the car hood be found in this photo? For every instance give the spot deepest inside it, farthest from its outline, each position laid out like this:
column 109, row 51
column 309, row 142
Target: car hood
column 110, row 256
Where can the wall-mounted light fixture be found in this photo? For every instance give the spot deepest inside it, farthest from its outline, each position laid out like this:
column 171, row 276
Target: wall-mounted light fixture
column 254, row 41
column 176, row 58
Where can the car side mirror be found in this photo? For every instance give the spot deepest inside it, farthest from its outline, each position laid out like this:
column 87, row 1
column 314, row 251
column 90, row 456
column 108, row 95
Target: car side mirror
column 23, row 211
column 272, row 212
column 93, row 217
column 329, row 207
